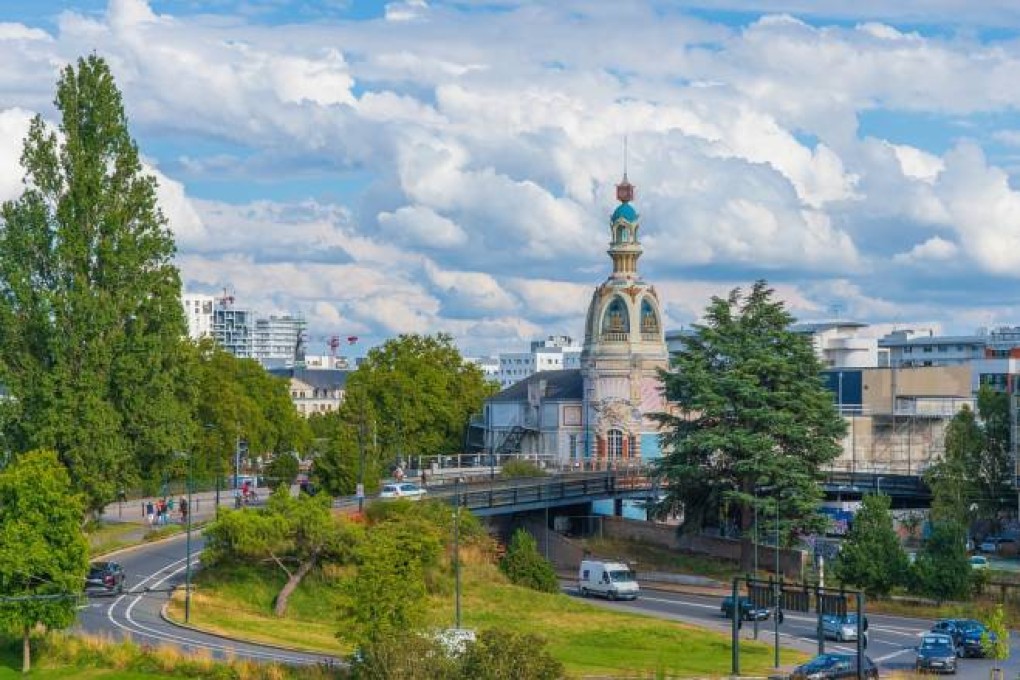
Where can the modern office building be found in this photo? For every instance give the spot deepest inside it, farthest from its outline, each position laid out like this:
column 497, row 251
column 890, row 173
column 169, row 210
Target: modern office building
column 555, row 353
column 274, row 341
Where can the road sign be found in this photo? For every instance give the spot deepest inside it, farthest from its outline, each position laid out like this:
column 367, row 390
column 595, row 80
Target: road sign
column 360, row 492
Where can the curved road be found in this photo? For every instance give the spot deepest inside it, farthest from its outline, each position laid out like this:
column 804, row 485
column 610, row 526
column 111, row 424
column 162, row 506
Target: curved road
column 152, row 571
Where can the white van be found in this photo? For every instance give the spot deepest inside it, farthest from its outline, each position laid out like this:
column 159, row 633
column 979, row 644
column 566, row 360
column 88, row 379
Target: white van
column 613, row 580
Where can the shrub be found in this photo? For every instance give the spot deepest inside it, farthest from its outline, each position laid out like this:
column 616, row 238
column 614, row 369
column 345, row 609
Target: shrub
column 505, row 655
column 524, row 566
column 519, row 467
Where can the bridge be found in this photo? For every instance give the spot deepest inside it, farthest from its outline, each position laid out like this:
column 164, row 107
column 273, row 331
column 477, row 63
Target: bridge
column 487, row 495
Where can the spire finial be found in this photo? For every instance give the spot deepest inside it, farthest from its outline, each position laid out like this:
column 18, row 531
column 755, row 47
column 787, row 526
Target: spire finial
column 625, row 190
column 625, row 158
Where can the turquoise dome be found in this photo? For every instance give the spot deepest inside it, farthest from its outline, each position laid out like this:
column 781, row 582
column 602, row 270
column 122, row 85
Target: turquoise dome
column 624, row 211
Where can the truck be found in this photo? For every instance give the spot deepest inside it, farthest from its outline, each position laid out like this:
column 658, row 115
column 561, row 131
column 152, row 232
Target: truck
column 612, row 580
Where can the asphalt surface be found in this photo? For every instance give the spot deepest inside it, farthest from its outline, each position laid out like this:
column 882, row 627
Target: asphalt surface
column 891, row 639
column 151, row 573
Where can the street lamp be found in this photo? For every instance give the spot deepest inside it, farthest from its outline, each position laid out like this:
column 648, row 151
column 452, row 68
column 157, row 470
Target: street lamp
column 456, row 553
column 187, row 561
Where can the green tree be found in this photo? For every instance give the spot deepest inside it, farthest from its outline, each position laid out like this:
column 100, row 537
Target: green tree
column 993, row 471
column 951, row 479
column 295, row 534
column 506, row 655
column 752, row 411
column 872, row 558
column 282, row 470
column 995, row 641
column 419, row 394
column 43, row 552
column 525, row 566
column 238, row 400
column 343, row 446
column 942, row 570
column 90, row 307
column 387, row 595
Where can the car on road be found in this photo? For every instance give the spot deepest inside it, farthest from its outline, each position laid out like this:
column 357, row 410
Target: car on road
column 402, row 490
column 998, row 544
column 842, row 628
column 749, row 611
column 978, row 562
column 831, row 666
column 105, row 578
column 937, row 653
column 967, row 635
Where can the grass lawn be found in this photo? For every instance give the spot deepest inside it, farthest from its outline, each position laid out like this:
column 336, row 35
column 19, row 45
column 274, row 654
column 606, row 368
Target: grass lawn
column 109, row 537
column 588, row 639
column 650, row 557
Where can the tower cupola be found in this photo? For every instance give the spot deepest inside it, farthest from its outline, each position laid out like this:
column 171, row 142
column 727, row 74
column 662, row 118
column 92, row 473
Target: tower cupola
column 624, row 247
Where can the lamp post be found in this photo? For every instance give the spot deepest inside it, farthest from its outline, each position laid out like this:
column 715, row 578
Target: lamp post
column 776, row 615
column 456, row 553
column 187, row 563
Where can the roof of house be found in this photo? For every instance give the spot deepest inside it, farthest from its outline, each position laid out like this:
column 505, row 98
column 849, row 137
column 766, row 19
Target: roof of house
column 559, row 385
column 320, row 378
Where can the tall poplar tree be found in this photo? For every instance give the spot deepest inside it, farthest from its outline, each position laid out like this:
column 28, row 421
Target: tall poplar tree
column 755, row 423
column 90, row 314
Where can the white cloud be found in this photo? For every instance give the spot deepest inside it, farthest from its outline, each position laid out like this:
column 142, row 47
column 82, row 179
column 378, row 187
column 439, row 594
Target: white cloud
column 934, row 249
column 13, row 130
column 421, row 226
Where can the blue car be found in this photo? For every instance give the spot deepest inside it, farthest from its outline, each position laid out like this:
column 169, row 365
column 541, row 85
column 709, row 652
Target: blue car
column 967, row 634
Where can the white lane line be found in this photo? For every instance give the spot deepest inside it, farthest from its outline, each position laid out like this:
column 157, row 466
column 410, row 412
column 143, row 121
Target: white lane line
column 892, row 655
column 147, row 632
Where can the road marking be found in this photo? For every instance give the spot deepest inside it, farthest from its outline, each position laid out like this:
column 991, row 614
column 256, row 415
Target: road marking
column 893, row 655
column 147, row 632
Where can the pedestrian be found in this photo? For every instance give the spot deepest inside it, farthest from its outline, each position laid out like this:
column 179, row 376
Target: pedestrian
column 184, row 510
column 398, row 474
column 237, row 498
column 422, row 478
column 162, row 512
column 150, row 513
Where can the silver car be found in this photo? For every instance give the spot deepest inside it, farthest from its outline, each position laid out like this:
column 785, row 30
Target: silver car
column 841, row 628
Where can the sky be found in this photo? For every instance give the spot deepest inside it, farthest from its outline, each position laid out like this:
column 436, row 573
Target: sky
column 449, row 165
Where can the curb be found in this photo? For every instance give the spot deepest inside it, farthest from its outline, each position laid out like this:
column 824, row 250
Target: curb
column 282, row 648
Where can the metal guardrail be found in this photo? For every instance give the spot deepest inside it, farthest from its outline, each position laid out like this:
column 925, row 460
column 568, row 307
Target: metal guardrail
column 892, row 484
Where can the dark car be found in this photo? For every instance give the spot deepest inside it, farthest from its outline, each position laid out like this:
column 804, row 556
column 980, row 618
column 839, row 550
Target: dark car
column 936, row 654
column 104, row 577
column 966, row 633
column 749, row 611
column 826, row 666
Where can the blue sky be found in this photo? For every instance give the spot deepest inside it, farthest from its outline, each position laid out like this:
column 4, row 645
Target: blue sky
column 424, row 166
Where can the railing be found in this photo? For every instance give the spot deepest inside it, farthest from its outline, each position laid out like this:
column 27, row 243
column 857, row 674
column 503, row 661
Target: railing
column 615, row 337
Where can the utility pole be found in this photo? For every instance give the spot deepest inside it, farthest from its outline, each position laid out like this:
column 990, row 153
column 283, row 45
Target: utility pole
column 456, row 554
column 775, row 616
column 187, row 566
column 361, row 463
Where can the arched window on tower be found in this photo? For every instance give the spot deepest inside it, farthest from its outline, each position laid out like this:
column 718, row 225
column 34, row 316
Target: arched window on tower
column 649, row 319
column 622, row 233
column 614, row 444
column 615, row 322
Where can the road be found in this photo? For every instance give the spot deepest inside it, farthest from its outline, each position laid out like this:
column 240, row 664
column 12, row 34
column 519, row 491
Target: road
column 152, row 571
column 891, row 639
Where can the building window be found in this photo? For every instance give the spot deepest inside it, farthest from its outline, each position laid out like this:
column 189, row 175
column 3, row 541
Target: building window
column 573, row 447
column 926, row 349
column 614, row 441
column 943, row 348
column 908, row 350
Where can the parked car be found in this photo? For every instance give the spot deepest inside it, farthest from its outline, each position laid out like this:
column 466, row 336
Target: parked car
column 966, row 634
column 998, row 544
column 842, row 628
column 105, row 578
column 749, row 611
column 978, row 562
column 937, row 653
column 402, row 490
column 826, row 666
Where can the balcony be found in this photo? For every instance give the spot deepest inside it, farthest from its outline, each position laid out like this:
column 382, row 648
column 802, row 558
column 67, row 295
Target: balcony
column 614, row 337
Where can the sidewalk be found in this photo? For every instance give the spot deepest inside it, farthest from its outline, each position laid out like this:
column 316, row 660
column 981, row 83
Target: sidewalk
column 203, row 507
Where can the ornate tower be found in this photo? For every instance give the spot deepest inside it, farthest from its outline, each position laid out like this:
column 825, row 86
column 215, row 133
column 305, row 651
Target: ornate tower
column 624, row 348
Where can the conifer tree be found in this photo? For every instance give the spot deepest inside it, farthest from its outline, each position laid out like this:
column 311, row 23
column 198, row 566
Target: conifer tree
column 755, row 423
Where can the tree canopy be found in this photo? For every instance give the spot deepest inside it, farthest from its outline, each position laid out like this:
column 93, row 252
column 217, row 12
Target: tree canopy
column 43, row 552
column 753, row 413
column 872, row 557
column 412, row 396
column 90, row 298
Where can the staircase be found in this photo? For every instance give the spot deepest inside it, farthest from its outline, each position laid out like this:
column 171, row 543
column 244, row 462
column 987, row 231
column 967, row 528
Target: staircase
column 511, row 442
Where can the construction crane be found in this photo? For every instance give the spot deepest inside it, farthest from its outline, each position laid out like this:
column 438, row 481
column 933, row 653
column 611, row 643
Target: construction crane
column 333, row 343
column 226, row 300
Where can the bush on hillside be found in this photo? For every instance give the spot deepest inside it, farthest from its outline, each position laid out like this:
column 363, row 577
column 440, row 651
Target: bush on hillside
column 521, row 468
column 505, row 655
column 524, row 566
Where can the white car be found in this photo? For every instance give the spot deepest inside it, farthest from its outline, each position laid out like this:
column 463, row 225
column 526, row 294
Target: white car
column 402, row 490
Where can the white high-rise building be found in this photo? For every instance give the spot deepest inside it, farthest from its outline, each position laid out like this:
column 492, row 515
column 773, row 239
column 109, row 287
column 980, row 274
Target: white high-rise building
column 198, row 310
column 275, row 341
column 555, row 353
